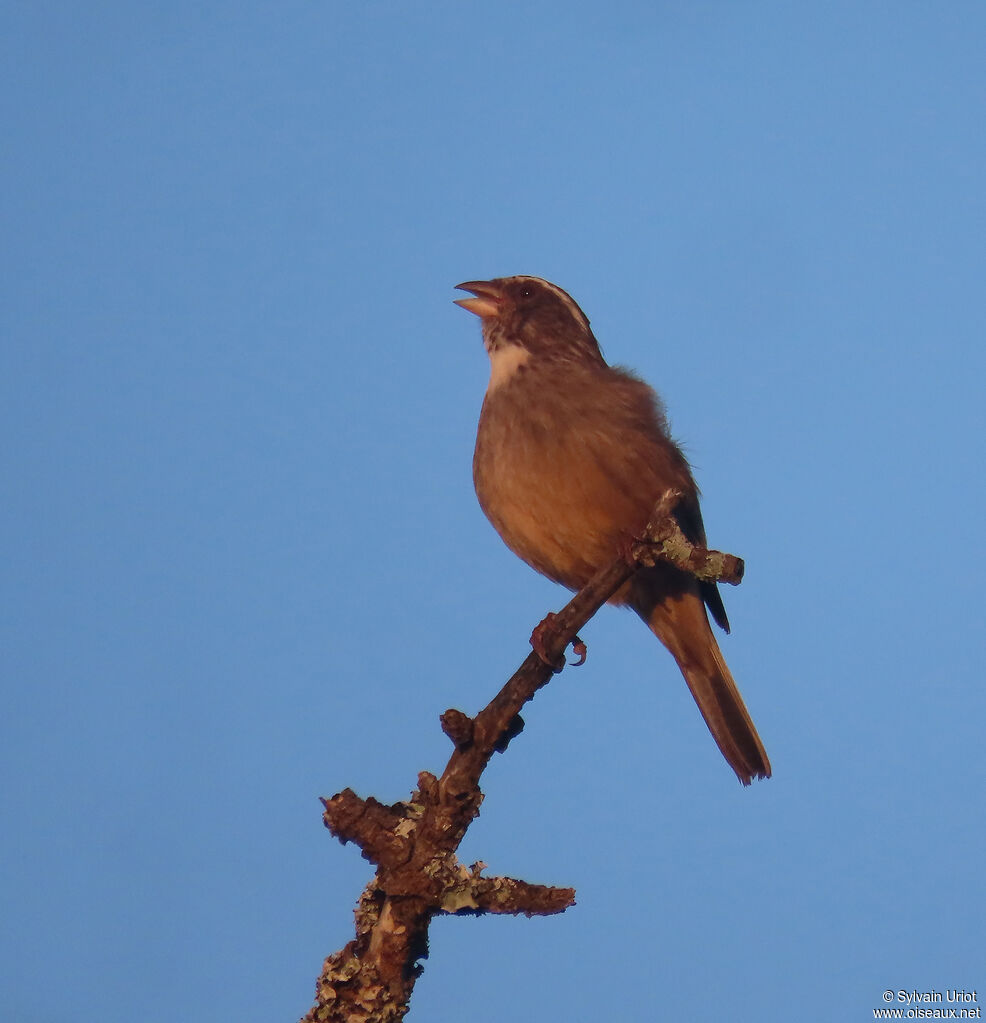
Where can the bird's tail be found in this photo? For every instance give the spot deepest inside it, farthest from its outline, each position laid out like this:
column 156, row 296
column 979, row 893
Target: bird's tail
column 681, row 624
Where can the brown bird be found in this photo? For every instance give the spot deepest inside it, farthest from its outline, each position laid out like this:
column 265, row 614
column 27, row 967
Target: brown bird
column 571, row 456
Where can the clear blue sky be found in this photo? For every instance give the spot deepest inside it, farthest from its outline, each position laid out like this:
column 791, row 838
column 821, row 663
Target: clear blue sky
column 243, row 565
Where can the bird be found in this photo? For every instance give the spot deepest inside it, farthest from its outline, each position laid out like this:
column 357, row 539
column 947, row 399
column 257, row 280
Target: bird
column 571, row 456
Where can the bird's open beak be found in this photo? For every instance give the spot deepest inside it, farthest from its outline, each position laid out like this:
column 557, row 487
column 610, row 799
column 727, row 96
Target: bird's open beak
column 487, row 300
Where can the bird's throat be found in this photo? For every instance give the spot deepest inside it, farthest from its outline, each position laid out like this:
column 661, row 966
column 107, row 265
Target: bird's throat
column 505, row 362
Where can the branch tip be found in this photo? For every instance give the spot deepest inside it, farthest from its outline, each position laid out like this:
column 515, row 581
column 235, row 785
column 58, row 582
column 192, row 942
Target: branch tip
column 458, row 727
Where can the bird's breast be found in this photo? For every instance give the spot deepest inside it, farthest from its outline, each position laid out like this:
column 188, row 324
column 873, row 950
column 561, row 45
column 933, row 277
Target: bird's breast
column 565, row 469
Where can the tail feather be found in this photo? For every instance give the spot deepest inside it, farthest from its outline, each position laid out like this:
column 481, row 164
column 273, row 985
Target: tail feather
column 729, row 721
column 682, row 625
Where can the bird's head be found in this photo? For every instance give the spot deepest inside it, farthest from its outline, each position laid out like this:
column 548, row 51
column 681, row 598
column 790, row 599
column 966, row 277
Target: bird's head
column 530, row 314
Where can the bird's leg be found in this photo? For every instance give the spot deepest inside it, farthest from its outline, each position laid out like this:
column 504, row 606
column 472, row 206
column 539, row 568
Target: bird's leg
column 625, row 545
column 539, row 644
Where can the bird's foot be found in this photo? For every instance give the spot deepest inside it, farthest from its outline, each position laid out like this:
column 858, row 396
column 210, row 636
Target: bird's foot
column 538, row 639
column 538, row 642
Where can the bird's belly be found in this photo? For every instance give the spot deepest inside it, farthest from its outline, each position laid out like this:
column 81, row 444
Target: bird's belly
column 557, row 498
column 556, row 538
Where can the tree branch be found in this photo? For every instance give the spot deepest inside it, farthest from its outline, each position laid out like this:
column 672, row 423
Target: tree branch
column 414, row 844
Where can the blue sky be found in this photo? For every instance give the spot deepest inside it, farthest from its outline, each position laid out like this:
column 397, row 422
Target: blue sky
column 243, row 562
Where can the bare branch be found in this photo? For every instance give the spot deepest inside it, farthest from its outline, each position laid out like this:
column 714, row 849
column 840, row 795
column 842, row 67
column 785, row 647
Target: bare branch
column 414, row 843
column 664, row 541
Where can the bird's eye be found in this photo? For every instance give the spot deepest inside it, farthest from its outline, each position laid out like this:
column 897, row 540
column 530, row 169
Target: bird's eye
column 526, row 292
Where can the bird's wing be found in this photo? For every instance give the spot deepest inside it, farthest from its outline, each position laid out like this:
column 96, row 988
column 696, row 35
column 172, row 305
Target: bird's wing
column 689, row 516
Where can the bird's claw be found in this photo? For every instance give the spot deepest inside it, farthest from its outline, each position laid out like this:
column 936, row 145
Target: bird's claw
column 538, row 643
column 580, row 650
